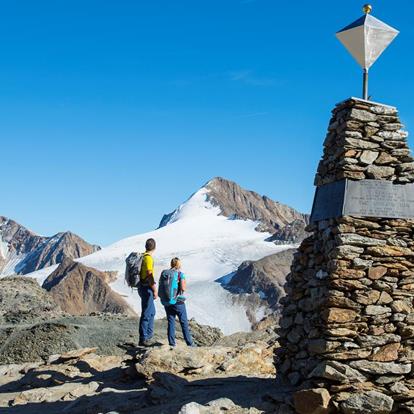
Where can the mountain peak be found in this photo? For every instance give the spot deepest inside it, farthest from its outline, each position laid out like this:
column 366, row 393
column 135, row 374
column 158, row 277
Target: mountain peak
column 227, row 198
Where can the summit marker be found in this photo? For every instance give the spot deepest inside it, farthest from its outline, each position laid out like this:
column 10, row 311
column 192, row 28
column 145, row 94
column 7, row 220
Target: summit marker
column 366, row 39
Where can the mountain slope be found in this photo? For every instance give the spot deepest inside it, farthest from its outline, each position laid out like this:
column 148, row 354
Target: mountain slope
column 210, row 244
column 22, row 251
column 260, row 284
column 23, row 300
column 285, row 223
column 81, row 290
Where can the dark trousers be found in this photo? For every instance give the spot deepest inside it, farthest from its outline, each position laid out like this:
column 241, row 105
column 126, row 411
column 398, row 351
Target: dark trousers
column 146, row 322
column 180, row 311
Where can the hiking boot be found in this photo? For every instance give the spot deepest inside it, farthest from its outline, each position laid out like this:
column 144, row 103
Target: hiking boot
column 145, row 343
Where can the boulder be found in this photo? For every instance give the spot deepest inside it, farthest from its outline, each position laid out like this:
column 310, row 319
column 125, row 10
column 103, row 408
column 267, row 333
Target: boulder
column 249, row 360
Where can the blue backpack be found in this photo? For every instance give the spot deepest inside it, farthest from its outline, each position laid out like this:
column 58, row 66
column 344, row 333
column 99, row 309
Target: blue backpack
column 169, row 287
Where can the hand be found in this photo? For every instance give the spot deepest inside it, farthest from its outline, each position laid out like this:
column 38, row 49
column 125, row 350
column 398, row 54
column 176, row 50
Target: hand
column 155, row 295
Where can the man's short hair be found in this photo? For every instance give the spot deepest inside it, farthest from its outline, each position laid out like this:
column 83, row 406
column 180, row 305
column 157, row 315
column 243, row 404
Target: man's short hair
column 150, row 245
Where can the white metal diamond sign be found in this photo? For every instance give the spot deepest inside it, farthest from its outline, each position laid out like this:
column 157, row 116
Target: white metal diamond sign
column 366, row 39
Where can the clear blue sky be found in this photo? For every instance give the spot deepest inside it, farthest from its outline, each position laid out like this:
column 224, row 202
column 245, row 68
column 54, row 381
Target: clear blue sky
column 114, row 112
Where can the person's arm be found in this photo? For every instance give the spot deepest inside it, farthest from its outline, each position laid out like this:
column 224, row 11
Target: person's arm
column 183, row 283
column 151, row 279
column 152, row 284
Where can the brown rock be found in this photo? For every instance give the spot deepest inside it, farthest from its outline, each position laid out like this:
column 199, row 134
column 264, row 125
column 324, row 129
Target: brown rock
column 77, row 353
column 348, row 274
column 401, row 306
column 339, row 315
column 367, row 298
column 386, row 353
column 392, row 251
column 384, row 159
column 313, row 401
column 385, row 299
column 378, row 272
column 346, row 284
column 341, row 332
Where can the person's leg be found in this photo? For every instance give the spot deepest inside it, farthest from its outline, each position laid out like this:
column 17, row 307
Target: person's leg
column 170, row 311
column 182, row 316
column 151, row 314
column 141, row 319
column 145, row 314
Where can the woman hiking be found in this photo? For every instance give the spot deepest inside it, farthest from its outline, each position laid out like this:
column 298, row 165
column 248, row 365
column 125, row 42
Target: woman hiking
column 172, row 285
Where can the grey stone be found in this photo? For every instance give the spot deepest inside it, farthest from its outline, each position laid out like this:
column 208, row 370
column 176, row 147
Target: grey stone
column 362, row 264
column 371, row 402
column 379, row 340
column 336, row 371
column 377, row 310
column 360, row 143
column 368, row 157
column 379, row 172
column 381, row 368
column 356, row 240
column 362, row 115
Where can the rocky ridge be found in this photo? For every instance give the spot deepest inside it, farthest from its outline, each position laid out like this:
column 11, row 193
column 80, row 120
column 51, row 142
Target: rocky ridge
column 347, row 331
column 22, row 251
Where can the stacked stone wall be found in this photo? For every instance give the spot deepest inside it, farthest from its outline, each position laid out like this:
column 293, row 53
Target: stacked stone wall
column 348, row 320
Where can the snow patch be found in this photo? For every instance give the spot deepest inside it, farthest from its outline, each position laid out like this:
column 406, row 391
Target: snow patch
column 4, row 248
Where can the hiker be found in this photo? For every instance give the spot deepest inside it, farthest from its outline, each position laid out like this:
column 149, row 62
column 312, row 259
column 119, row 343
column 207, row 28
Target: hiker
column 140, row 274
column 172, row 286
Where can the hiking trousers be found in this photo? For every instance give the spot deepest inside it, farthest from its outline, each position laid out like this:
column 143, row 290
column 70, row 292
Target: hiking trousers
column 146, row 321
column 179, row 310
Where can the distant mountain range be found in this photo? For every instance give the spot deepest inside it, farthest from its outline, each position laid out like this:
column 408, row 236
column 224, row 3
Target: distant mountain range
column 22, row 251
column 217, row 229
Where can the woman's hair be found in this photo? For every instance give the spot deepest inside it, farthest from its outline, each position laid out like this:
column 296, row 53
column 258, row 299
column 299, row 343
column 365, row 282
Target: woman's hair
column 175, row 262
column 150, row 245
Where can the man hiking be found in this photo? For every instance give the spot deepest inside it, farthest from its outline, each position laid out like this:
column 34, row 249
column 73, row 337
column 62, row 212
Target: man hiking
column 172, row 287
column 142, row 266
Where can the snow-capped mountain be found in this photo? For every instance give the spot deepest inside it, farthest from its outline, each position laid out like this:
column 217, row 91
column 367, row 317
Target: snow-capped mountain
column 285, row 223
column 212, row 239
column 22, row 251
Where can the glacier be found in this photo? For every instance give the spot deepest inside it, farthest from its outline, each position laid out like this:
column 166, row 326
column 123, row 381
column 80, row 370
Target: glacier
column 210, row 246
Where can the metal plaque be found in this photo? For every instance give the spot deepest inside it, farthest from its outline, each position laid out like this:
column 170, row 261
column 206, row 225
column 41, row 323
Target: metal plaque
column 364, row 198
column 328, row 201
column 376, row 198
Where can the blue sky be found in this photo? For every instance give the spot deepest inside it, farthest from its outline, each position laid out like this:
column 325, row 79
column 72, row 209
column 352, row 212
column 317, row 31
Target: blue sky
column 114, row 112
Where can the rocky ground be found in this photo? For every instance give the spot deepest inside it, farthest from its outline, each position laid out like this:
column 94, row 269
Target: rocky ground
column 53, row 362
column 43, row 363
column 153, row 380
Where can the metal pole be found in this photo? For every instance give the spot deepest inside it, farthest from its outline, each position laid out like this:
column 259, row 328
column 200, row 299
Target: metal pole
column 365, row 85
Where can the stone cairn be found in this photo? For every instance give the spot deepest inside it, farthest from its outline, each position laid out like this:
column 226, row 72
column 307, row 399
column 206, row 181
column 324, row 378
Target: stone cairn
column 347, row 327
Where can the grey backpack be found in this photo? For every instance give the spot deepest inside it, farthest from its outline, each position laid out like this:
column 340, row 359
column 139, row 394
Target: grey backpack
column 133, row 269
